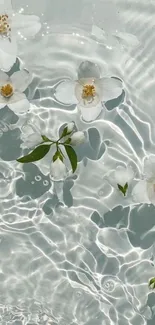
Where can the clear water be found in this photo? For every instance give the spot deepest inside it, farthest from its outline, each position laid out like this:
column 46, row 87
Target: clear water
column 79, row 254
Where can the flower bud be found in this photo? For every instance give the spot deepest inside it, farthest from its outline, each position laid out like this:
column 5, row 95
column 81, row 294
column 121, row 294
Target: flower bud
column 70, row 127
column 58, row 170
column 77, row 138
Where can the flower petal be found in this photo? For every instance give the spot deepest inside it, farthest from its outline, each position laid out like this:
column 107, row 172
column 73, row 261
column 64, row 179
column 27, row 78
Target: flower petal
column 58, row 170
column 79, row 90
column 151, row 191
column 88, row 69
column 5, row 7
column 65, row 92
column 31, row 141
column 4, row 78
column 98, row 33
column 90, row 113
column 123, row 175
column 149, row 166
column 21, row 80
column 110, row 88
column 8, row 53
column 139, row 192
column 18, row 103
column 127, row 40
column 26, row 25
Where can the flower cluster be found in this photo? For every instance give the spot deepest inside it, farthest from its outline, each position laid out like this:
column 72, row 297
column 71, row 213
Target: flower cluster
column 63, row 146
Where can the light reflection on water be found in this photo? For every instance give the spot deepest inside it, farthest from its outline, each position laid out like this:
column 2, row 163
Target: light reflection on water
column 78, row 252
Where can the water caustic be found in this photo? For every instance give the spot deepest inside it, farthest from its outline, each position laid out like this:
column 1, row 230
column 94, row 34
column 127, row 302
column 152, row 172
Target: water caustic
column 79, row 252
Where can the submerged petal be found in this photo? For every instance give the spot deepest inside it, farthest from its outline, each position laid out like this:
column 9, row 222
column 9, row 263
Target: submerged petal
column 149, row 167
column 127, row 40
column 26, row 25
column 110, row 88
column 18, row 103
column 88, row 69
column 151, row 190
column 65, row 92
column 21, row 80
column 31, row 141
column 123, row 175
column 90, row 113
column 139, row 193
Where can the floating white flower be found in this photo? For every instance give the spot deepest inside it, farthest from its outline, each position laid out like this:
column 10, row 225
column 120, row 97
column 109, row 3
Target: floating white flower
column 12, row 88
column 58, row 170
column 144, row 191
column 121, row 176
column 89, row 91
column 13, row 26
column 77, row 138
column 32, row 138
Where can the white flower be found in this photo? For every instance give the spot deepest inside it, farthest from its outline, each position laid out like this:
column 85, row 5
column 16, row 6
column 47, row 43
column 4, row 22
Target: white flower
column 89, row 91
column 12, row 88
column 70, row 127
column 77, row 138
column 58, row 170
column 144, row 191
column 32, row 138
column 115, row 39
column 121, row 176
column 13, row 25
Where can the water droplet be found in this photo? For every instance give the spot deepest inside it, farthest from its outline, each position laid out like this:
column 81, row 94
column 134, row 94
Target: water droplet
column 108, row 284
column 101, row 192
column 38, row 178
column 79, row 293
column 45, row 183
column 32, row 182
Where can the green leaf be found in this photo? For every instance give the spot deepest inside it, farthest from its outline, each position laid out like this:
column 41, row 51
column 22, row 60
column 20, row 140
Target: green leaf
column 72, row 157
column 152, row 281
column 123, row 189
column 36, row 154
column 45, row 138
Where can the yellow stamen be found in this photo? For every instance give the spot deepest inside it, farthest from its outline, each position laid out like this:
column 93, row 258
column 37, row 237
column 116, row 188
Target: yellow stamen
column 4, row 25
column 88, row 92
column 6, row 90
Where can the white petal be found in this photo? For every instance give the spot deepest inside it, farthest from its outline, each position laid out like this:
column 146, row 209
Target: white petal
column 90, row 113
column 139, row 193
column 79, row 89
column 123, row 175
column 127, row 40
column 58, row 170
column 8, row 53
column 88, row 69
column 4, row 78
column 5, row 7
column 33, row 140
column 26, row 25
column 110, row 88
column 21, row 80
column 65, row 92
column 151, row 191
column 77, row 138
column 149, row 166
column 18, row 103
column 98, row 33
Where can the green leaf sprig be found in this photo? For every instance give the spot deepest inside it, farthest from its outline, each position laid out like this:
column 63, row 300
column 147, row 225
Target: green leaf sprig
column 43, row 148
column 123, row 189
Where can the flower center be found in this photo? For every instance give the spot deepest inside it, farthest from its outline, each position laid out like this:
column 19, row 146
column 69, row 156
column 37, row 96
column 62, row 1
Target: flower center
column 6, row 90
column 5, row 28
column 88, row 92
